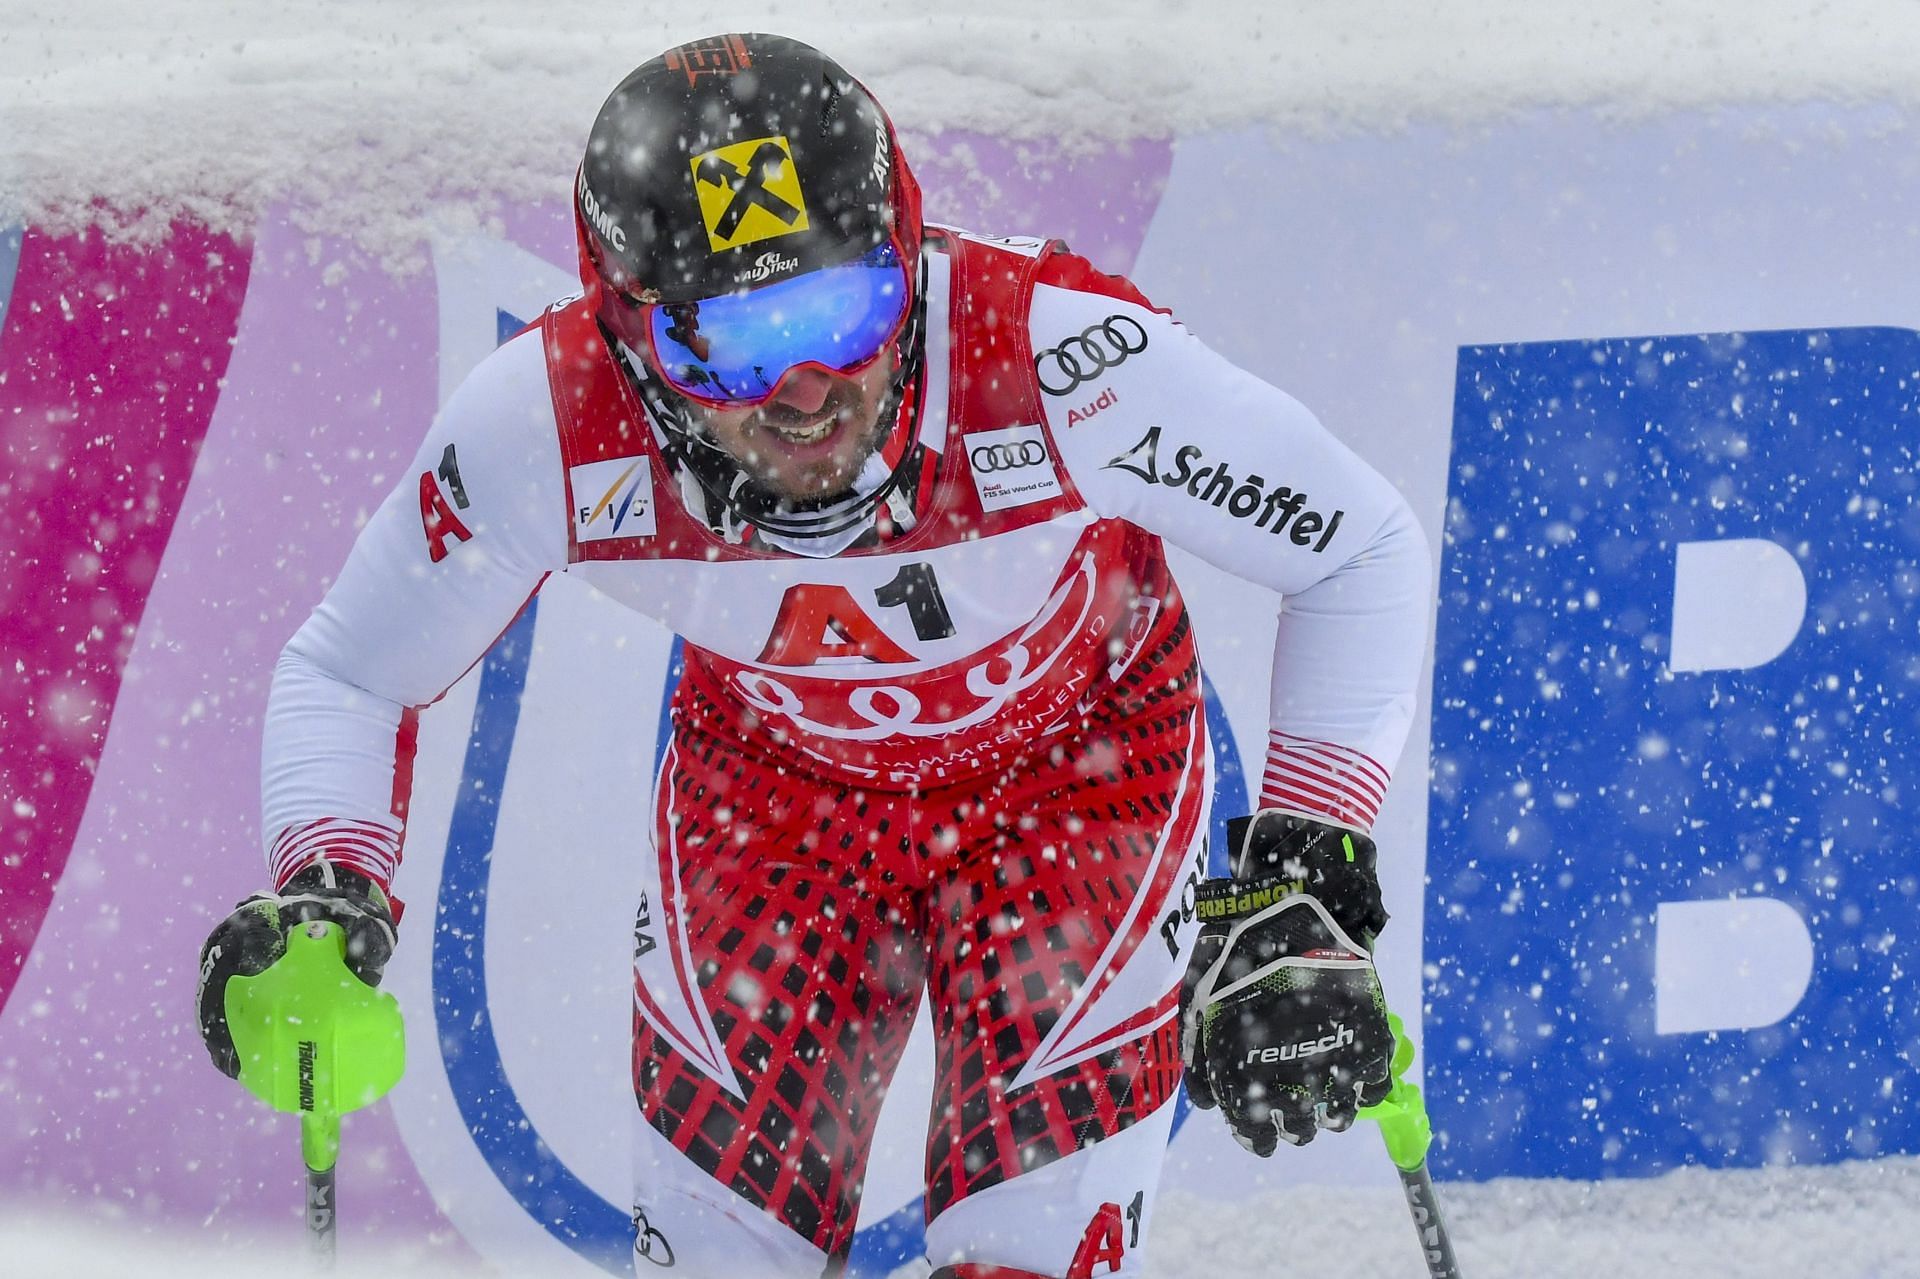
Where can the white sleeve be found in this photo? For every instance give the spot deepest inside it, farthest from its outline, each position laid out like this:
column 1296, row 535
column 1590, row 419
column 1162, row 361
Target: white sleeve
column 443, row 566
column 1156, row 428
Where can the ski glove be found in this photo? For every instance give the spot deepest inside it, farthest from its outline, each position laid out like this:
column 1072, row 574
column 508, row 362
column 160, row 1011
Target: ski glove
column 249, row 941
column 1282, row 1020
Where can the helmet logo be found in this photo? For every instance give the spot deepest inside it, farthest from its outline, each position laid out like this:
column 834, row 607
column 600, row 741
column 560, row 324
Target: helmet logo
column 766, row 266
column 599, row 219
column 714, row 56
column 749, row 191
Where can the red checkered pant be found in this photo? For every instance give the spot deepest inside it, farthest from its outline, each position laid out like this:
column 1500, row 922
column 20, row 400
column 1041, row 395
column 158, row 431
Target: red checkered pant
column 796, row 922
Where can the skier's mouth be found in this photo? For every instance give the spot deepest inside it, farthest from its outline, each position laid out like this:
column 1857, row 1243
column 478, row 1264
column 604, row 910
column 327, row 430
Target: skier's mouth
column 812, row 434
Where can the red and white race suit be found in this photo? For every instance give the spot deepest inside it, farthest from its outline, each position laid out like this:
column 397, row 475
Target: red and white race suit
column 965, row 758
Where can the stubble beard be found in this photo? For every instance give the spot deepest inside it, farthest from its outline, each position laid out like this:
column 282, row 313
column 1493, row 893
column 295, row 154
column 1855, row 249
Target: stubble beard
column 819, row 479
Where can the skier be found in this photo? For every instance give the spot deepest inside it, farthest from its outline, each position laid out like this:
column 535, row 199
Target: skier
column 903, row 490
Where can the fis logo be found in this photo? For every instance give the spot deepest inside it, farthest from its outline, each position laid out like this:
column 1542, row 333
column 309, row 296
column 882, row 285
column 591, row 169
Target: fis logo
column 612, row 498
column 1214, row 484
column 1339, row 1037
column 749, row 191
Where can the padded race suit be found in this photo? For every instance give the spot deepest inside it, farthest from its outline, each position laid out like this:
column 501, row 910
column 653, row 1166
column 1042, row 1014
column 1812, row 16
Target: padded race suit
column 963, row 754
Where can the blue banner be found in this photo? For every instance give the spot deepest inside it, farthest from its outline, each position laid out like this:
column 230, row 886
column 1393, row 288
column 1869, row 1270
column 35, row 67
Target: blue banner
column 1672, row 911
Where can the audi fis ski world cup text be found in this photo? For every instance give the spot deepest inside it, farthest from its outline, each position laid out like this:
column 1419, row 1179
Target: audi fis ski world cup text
column 1012, row 467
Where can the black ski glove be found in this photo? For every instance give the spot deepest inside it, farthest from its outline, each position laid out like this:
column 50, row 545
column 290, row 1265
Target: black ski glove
column 247, row 942
column 1282, row 1020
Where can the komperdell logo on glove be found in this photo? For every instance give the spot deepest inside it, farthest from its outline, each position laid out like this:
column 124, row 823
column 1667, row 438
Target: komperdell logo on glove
column 1283, row 1023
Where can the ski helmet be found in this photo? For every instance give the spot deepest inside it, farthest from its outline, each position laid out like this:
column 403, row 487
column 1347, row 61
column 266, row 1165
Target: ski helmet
column 730, row 166
column 732, row 163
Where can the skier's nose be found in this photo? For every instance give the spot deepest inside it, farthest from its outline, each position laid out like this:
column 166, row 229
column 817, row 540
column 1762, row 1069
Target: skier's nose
column 803, row 389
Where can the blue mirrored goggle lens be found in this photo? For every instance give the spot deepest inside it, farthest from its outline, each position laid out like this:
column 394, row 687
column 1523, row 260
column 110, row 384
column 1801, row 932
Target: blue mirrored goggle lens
column 739, row 346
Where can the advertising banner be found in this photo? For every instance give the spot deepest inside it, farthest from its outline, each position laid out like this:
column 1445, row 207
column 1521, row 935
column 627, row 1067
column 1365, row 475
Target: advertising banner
column 1649, row 387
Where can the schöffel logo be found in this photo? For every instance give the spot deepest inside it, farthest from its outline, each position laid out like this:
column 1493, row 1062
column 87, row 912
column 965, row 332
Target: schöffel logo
column 1215, row 484
column 1012, row 467
column 1093, row 351
column 988, row 458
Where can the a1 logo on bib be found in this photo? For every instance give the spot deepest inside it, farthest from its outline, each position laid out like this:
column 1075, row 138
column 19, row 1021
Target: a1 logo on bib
column 612, row 498
column 1012, row 466
column 749, row 191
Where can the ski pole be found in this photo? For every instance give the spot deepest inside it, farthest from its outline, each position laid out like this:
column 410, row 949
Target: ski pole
column 1405, row 1128
column 316, row 1041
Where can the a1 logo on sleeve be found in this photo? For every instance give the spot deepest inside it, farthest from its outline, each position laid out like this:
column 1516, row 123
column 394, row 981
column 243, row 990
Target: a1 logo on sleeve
column 1012, row 466
column 612, row 498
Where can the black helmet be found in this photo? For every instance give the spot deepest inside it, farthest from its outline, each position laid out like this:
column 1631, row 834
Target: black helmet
column 726, row 165
column 736, row 161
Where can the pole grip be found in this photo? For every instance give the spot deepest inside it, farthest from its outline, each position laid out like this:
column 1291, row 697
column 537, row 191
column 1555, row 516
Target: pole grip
column 320, row 1152
column 321, row 1217
column 1435, row 1246
column 1407, row 1132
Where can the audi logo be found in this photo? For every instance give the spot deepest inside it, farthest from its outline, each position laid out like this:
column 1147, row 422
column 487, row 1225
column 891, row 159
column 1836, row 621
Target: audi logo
column 1084, row 358
column 988, row 458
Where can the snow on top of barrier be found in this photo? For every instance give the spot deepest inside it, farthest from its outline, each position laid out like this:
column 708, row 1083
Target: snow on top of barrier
column 384, row 121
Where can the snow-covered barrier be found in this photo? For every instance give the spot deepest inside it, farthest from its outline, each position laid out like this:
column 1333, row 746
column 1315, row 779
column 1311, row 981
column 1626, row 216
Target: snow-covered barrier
column 1647, row 385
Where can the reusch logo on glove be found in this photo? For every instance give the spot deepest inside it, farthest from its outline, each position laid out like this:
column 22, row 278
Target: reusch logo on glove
column 1339, row 1037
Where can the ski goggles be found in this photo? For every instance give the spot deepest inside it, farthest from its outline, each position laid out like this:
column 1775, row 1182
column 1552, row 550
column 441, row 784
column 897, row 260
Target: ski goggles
column 733, row 350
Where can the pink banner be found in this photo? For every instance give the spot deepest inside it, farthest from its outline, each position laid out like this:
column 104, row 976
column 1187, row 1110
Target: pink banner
column 111, row 362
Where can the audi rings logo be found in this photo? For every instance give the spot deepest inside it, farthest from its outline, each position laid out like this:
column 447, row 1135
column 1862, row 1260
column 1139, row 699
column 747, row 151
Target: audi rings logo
column 1081, row 359
column 988, row 458
column 650, row 1243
